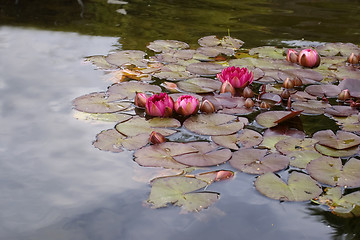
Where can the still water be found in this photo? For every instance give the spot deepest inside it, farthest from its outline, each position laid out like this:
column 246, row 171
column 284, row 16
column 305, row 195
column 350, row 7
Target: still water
column 55, row 185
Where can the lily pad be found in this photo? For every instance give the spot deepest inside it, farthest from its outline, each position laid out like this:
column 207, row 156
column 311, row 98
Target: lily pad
column 213, row 124
column 215, row 51
column 340, row 141
column 208, row 154
column 246, row 138
column 113, row 141
column 268, row 51
column 300, row 187
column 129, row 89
column 332, row 49
column 341, row 111
column 258, row 161
column 103, row 117
column 330, row 171
column 121, row 58
column 332, row 152
column 269, row 142
column 98, row 102
column 166, row 45
column 300, row 159
column 273, row 118
column 179, row 191
column 310, row 106
column 291, row 144
column 138, row 125
column 205, row 68
column 199, row 85
column 353, row 85
column 327, row 90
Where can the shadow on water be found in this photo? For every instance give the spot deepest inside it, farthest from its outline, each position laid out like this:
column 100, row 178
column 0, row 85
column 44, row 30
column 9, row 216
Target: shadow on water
column 55, row 185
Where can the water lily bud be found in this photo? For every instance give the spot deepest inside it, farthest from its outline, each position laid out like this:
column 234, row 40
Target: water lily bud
column 207, row 107
column 353, row 58
column 292, row 56
column 288, row 83
column 248, row 93
column 156, row 138
column 298, row 82
column 140, row 100
column 344, row 95
column 159, row 105
column 264, row 105
column 309, row 58
column 227, row 87
column 285, row 94
column 249, row 103
column 186, row 105
column 237, row 77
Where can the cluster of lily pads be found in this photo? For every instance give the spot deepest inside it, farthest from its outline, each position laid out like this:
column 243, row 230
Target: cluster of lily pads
column 191, row 109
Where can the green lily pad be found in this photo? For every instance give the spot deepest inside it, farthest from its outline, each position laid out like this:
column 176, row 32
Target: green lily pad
column 199, row 85
column 273, row 118
column 129, row 89
column 98, row 103
column 208, row 154
column 342, row 139
column 166, row 45
column 268, row 51
column 345, row 72
column 100, row 62
column 330, row 171
column 204, row 68
column 258, row 161
column 213, row 124
column 179, row 191
column 291, row 144
column 332, row 49
column 121, row 58
column 300, row 159
column 113, row 141
column 246, row 138
column 162, row 155
column 227, row 41
column 270, row 141
column 215, row 51
column 341, row 205
column 300, row 187
column 102, row 117
column 138, row 125
column 332, row 152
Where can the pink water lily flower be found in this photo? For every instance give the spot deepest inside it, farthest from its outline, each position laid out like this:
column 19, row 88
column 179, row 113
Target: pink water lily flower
column 186, row 105
column 309, row 58
column 237, row 77
column 292, row 56
column 159, row 105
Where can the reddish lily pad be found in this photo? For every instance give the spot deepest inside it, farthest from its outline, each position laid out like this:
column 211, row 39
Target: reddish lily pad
column 208, row 154
column 341, row 111
column 307, row 76
column 113, row 141
column 273, row 118
column 98, row 103
column 353, row 85
column 246, row 138
column 199, row 85
column 121, row 58
column 179, row 191
column 300, row 187
column 213, row 124
column 205, row 68
column 129, row 89
column 327, row 90
column 330, row 171
column 310, row 106
column 284, row 130
column 342, row 139
column 258, row 161
column 166, row 45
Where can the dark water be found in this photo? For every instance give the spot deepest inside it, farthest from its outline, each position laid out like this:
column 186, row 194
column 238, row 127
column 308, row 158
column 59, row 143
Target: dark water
column 55, row 185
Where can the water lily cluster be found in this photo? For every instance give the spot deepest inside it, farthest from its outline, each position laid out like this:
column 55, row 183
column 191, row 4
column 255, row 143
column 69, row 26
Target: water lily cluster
column 306, row 57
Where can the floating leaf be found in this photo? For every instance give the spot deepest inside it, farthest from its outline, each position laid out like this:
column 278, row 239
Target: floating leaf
column 199, row 85
column 129, row 89
column 215, row 51
column 213, row 124
column 104, row 117
column 332, row 49
column 310, row 106
column 300, row 159
column 341, row 111
column 269, row 142
column 100, row 62
column 120, row 58
column 98, row 103
column 307, row 76
column 268, row 51
column 161, row 155
column 180, row 192
column 353, row 85
column 273, row 118
column 113, row 141
column 341, row 140
column 291, row 144
column 284, row 130
column 327, row 90
column 246, row 138
column 138, row 125
column 332, row 152
column 258, row 161
column 300, row 187
column 208, row 154
column 166, row 45
column 330, row 171
column 204, row 68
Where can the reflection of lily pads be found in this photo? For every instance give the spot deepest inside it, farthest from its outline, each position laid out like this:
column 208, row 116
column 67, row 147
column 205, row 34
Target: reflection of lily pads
column 166, row 45
column 138, row 125
column 273, row 118
column 258, row 161
column 113, row 141
column 179, row 191
column 341, row 140
column 129, row 89
column 213, row 124
column 98, row 103
column 199, row 85
column 246, row 138
column 300, row 187
column 330, row 171
column 208, row 154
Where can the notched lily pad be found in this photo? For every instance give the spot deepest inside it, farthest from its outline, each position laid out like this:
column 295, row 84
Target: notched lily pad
column 330, row 171
column 213, row 124
column 199, row 85
column 246, row 138
column 121, row 58
column 166, row 45
column 291, row 144
column 179, row 191
column 342, row 139
column 204, row 68
column 129, row 89
column 300, row 159
column 98, row 102
column 102, row 117
column 300, row 187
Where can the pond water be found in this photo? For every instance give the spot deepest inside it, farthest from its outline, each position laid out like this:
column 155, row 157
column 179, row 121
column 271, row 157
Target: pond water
column 55, row 185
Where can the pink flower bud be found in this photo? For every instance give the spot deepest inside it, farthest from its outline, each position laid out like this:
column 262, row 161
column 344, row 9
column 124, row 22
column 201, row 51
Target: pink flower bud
column 227, row 87
column 156, row 138
column 248, row 93
column 344, row 95
column 140, row 100
column 237, row 77
column 249, row 103
column 292, row 56
column 309, row 58
column 186, row 105
column 288, row 83
column 354, row 58
column 207, row 107
column 159, row 105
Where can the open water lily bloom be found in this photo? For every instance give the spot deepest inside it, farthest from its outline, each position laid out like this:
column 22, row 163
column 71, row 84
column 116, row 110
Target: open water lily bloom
column 186, row 105
column 309, row 58
column 159, row 105
column 237, row 77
